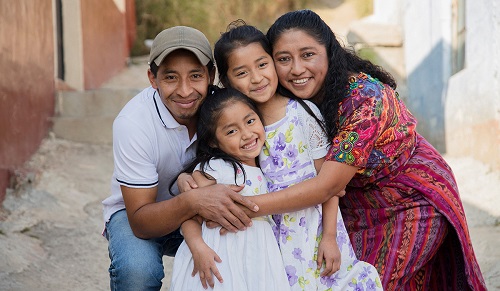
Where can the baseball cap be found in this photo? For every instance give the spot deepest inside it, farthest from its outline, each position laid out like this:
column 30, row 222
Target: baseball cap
column 181, row 37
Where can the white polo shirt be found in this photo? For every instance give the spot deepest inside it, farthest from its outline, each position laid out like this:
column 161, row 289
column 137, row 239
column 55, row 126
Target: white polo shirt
column 150, row 148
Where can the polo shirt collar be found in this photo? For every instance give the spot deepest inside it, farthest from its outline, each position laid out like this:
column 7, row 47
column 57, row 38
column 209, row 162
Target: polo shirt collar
column 164, row 115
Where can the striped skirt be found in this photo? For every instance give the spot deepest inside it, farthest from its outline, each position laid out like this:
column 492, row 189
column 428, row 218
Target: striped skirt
column 411, row 226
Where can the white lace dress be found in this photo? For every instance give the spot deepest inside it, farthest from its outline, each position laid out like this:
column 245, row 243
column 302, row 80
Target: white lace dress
column 251, row 259
column 288, row 156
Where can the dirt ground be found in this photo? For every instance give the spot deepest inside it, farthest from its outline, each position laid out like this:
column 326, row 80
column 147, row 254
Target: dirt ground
column 50, row 228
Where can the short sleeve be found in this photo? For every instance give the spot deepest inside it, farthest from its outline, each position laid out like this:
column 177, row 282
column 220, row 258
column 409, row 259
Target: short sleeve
column 132, row 151
column 363, row 116
column 212, row 168
column 316, row 136
column 221, row 171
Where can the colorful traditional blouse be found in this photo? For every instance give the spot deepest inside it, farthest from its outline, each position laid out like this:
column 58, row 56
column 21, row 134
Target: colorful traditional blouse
column 402, row 208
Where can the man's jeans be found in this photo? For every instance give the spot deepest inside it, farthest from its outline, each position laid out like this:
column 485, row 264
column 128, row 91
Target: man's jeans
column 136, row 264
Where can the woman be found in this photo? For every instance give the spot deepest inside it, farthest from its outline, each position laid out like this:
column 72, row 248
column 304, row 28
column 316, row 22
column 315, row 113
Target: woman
column 402, row 208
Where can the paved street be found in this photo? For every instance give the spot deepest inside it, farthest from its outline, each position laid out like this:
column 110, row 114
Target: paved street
column 50, row 228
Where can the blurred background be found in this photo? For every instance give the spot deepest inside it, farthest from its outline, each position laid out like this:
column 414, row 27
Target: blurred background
column 212, row 17
column 58, row 58
column 56, row 53
column 67, row 67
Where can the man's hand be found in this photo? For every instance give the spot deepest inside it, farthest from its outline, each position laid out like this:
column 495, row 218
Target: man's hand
column 220, row 203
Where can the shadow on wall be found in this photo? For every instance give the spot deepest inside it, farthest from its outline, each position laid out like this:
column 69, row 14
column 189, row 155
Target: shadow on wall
column 423, row 89
column 427, row 96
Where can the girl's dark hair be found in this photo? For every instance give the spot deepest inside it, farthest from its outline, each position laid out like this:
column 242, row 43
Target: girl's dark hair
column 210, row 112
column 342, row 63
column 239, row 34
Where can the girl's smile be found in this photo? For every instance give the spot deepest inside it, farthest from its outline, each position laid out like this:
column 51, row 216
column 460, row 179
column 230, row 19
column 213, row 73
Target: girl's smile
column 240, row 133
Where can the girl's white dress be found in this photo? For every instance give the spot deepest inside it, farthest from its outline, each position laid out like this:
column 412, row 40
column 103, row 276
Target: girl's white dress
column 251, row 259
column 291, row 145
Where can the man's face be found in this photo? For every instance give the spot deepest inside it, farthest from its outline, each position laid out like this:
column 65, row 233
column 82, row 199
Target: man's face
column 182, row 82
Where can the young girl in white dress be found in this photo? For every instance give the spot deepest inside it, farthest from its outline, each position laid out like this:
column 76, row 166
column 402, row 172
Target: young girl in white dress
column 314, row 243
column 230, row 138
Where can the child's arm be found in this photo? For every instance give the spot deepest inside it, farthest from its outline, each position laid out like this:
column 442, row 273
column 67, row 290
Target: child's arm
column 328, row 250
column 204, row 257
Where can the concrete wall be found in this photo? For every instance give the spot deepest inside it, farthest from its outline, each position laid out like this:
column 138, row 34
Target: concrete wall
column 27, row 84
column 459, row 114
column 473, row 95
column 98, row 35
column 104, row 39
column 426, row 23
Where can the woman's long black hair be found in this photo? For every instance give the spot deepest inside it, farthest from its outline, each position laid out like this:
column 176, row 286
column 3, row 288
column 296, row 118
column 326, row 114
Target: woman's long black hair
column 208, row 117
column 342, row 63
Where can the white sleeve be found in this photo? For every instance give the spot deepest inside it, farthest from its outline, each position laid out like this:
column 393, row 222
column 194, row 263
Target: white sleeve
column 316, row 136
column 221, row 171
column 132, row 150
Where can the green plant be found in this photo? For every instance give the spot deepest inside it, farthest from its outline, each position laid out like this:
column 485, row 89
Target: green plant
column 211, row 17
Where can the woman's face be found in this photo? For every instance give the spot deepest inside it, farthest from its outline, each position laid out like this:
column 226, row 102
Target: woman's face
column 301, row 63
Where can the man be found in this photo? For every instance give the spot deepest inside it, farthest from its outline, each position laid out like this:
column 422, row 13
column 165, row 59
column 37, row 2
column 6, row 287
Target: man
column 154, row 138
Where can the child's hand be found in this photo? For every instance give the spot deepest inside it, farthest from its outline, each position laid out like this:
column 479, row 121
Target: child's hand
column 328, row 255
column 186, row 182
column 204, row 263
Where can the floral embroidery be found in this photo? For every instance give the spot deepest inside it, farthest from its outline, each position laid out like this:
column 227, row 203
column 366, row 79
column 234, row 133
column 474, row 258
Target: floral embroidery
column 344, row 146
column 374, row 128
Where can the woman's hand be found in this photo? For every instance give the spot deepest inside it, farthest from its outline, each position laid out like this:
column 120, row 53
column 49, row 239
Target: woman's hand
column 328, row 255
column 341, row 193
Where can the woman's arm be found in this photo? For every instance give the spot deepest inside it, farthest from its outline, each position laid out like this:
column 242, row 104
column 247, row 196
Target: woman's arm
column 331, row 180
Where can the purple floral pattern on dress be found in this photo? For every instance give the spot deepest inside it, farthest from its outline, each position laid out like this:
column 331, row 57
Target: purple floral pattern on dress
column 297, row 254
column 285, row 161
column 291, row 273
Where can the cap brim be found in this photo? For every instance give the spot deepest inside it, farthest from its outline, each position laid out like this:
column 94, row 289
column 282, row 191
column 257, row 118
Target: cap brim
column 204, row 60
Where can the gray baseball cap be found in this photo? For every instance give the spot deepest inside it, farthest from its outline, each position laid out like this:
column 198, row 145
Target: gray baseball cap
column 181, row 37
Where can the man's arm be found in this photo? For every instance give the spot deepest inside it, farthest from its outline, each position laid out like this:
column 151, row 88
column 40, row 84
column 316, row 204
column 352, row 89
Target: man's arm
column 219, row 203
